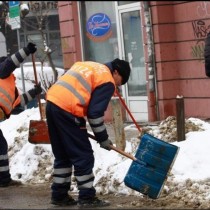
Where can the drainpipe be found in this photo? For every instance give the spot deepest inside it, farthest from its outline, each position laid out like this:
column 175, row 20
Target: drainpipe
column 153, row 94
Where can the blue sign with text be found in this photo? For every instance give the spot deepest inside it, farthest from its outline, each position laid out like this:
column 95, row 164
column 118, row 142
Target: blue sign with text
column 98, row 25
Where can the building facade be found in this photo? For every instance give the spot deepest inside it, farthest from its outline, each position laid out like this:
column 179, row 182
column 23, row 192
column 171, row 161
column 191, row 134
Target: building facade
column 162, row 40
column 102, row 31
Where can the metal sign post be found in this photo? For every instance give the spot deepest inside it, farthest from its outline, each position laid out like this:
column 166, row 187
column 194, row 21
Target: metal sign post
column 21, row 65
column 14, row 21
column 14, row 14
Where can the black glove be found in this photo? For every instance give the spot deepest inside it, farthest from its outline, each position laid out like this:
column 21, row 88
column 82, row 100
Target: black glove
column 32, row 92
column 106, row 144
column 37, row 88
column 35, row 91
column 31, row 47
column 2, row 59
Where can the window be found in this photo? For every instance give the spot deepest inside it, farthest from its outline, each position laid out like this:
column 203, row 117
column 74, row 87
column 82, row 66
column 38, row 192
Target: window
column 51, row 29
column 120, row 3
column 103, row 48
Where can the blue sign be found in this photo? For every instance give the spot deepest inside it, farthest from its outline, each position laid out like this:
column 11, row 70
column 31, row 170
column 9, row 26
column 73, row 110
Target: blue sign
column 98, row 25
column 13, row 3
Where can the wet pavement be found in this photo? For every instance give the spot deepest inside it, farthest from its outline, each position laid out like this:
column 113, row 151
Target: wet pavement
column 38, row 197
column 25, row 197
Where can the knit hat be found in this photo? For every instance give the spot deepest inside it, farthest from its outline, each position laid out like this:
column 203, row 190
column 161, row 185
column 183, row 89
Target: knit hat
column 123, row 69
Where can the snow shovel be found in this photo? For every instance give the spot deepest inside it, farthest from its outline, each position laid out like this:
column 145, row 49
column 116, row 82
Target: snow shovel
column 151, row 165
column 155, row 160
column 38, row 130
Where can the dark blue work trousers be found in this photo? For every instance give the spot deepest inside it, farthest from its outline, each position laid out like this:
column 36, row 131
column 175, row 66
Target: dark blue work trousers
column 5, row 176
column 72, row 150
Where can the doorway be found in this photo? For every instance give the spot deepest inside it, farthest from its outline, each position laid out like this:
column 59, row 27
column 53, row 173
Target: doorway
column 131, row 49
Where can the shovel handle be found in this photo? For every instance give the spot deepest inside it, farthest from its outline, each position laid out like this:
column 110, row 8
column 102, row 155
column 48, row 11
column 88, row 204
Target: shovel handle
column 36, row 82
column 116, row 149
column 123, row 153
column 122, row 101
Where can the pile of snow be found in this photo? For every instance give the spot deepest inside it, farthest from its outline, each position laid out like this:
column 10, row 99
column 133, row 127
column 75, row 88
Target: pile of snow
column 34, row 163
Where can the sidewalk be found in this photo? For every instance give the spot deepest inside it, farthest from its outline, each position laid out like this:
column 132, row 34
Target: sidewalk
column 38, row 197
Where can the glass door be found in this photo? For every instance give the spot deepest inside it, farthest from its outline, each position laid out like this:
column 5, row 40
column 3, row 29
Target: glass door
column 131, row 41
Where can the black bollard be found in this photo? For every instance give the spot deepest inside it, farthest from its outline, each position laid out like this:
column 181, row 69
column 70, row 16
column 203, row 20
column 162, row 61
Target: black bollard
column 180, row 116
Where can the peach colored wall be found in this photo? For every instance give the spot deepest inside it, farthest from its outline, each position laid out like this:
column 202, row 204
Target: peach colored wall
column 179, row 29
column 70, row 36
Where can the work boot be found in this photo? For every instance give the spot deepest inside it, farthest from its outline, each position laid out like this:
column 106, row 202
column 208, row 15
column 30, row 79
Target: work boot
column 92, row 202
column 11, row 183
column 67, row 201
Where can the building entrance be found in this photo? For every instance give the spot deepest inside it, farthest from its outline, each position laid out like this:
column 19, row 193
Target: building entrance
column 113, row 30
column 131, row 49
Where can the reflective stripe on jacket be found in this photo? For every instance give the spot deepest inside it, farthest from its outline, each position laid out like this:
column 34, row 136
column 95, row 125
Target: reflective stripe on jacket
column 7, row 94
column 72, row 91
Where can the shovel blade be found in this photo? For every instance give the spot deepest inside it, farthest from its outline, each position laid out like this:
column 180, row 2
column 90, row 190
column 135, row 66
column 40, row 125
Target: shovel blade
column 159, row 157
column 38, row 132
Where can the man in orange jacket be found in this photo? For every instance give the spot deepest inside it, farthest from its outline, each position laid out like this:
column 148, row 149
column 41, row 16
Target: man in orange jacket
column 10, row 99
column 83, row 91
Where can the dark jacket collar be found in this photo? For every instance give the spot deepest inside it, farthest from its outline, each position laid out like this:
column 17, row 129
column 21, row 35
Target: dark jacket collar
column 109, row 65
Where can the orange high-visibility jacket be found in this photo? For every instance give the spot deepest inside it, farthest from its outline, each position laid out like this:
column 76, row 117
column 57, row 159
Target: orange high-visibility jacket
column 7, row 94
column 72, row 91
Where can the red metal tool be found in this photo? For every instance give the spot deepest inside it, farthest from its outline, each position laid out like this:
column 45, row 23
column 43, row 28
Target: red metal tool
column 124, row 104
column 38, row 130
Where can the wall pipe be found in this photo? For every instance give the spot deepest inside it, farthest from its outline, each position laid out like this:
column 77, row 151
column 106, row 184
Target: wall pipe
column 151, row 55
